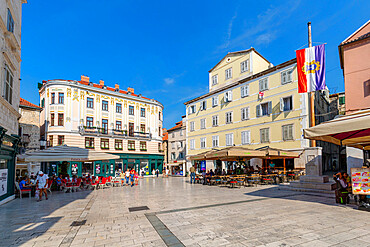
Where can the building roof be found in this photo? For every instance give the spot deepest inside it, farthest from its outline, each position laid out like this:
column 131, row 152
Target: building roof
column 25, row 103
column 165, row 136
column 349, row 38
column 262, row 73
column 177, row 126
column 238, row 53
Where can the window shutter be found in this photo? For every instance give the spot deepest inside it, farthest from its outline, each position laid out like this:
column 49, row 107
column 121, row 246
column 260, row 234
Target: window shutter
column 266, row 84
column 225, row 97
column 290, row 131
column 230, row 95
column 281, row 104
column 270, row 107
column 247, row 90
column 242, row 92
column 283, row 77
column 205, row 105
column 247, row 112
column 248, row 137
column 260, row 86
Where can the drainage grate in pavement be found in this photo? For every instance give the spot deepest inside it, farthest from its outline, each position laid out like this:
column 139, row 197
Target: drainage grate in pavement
column 138, row 208
column 78, row 223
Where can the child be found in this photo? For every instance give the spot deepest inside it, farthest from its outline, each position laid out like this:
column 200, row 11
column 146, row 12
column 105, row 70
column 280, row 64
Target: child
column 136, row 178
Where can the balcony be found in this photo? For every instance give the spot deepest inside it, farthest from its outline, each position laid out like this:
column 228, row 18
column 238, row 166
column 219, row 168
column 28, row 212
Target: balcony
column 97, row 131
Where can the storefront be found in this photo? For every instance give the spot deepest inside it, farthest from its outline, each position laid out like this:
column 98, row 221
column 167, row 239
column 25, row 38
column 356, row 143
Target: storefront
column 8, row 151
column 142, row 162
column 177, row 169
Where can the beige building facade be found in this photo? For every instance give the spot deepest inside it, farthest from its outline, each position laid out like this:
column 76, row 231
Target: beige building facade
column 252, row 104
column 177, row 149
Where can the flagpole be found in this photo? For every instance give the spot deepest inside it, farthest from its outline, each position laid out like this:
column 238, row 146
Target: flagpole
column 311, row 94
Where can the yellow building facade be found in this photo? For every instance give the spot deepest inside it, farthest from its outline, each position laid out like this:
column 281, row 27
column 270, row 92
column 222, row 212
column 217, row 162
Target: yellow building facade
column 252, row 104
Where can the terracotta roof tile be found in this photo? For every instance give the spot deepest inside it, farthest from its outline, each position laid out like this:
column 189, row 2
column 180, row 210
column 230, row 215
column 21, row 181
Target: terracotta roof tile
column 165, row 136
column 23, row 102
column 178, row 126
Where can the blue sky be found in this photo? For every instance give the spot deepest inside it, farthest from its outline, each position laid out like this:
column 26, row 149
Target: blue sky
column 164, row 49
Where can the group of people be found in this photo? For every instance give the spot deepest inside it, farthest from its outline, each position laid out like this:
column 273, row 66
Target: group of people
column 40, row 181
column 131, row 177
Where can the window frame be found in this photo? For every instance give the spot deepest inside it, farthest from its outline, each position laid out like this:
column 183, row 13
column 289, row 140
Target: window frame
column 203, row 123
column 227, row 138
column 143, row 146
column 268, row 135
column 203, row 142
column 61, row 137
column 246, row 115
column 104, row 143
column 61, row 98
column 214, row 78
column 131, row 143
column 215, row 117
column 192, row 109
column 131, row 110
column 243, row 137
column 142, row 112
column 228, row 73
column 265, row 84
column 118, row 125
column 192, row 144
column 215, row 101
column 52, row 119
column 118, row 108
column 89, row 142
column 52, row 98
column 227, row 120
column 288, row 138
column 10, row 24
column 244, row 66
column 88, row 122
column 118, row 144
column 89, row 102
column 287, row 75
column 192, row 126
column 215, row 139
column 282, row 103
column 104, row 105
column 8, row 85
column 244, row 91
column 203, row 105
column 60, row 119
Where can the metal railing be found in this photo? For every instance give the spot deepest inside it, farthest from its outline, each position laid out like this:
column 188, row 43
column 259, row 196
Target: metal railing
column 87, row 130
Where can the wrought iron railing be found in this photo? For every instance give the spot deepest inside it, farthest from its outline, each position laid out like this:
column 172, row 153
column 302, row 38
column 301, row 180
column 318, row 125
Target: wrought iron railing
column 87, row 130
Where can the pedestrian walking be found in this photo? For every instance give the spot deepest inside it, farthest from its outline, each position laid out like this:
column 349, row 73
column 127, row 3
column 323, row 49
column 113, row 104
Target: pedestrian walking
column 41, row 184
column 192, row 175
column 122, row 176
column 132, row 177
column 127, row 174
column 136, row 178
column 157, row 172
column 153, row 172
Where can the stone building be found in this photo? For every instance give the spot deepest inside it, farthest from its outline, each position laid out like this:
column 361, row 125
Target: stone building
column 165, row 147
column 10, row 73
column 29, row 125
column 177, row 149
column 97, row 117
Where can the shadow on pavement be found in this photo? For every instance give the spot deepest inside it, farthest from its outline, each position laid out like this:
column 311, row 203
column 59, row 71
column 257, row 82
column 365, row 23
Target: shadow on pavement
column 26, row 219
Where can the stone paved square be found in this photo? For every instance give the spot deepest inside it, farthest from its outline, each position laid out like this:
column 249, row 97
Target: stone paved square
column 183, row 214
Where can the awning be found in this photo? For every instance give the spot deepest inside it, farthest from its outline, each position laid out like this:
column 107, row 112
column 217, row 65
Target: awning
column 234, row 153
column 66, row 153
column 349, row 130
column 274, row 153
column 201, row 156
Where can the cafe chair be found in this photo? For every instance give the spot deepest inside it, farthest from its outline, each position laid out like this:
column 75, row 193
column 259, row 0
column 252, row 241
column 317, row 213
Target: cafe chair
column 22, row 191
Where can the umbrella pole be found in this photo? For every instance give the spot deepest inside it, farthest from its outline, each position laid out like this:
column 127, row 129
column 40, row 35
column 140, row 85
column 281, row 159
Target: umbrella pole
column 284, row 166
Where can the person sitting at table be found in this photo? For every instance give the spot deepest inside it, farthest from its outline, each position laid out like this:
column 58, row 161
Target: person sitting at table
column 204, row 174
column 211, row 173
column 59, row 181
column 23, row 183
column 223, row 173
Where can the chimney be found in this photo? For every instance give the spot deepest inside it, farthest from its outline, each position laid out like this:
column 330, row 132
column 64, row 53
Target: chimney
column 116, row 86
column 131, row 90
column 85, row 78
column 101, row 82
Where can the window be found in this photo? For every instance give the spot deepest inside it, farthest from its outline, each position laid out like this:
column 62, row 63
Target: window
column 286, row 104
column 10, row 23
column 181, row 133
column 43, row 103
column 203, row 105
column 244, row 91
column 89, row 122
column 214, row 80
column 104, row 143
column 52, row 118
column 203, row 123
column 191, row 109
column 90, row 103
column 286, row 76
column 229, row 117
column 214, row 141
column 246, row 137
column 173, row 145
column 228, row 73
column 215, row 120
column 342, row 100
column 51, row 140
column 159, row 130
column 60, row 140
column 228, row 96
column 61, row 98
column 181, row 144
column 263, row 84
column 264, row 109
column 104, row 126
column 173, row 134
column 287, row 132
column 8, row 85
column 181, row 155
column 60, row 119
column 229, row 139
column 203, row 142
column 131, row 110
column 265, row 135
column 104, row 105
column 142, row 146
column 192, row 144
column 214, row 101
column 192, row 126
column 118, row 125
column 118, row 144
column 159, row 115
column 142, row 128
column 131, row 129
column 245, row 113
column 118, row 107
column 173, row 156
column 131, row 145
column 52, row 98
column 160, row 147
column 142, row 112
column 89, row 142
column 244, row 66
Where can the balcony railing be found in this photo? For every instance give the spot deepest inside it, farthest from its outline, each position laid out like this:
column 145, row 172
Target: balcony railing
column 86, row 130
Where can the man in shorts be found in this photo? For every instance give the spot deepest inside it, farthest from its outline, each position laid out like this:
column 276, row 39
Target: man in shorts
column 41, row 184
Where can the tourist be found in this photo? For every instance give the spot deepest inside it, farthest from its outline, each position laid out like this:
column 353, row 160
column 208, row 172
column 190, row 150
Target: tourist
column 204, row 177
column 59, row 181
column 127, row 174
column 192, row 175
column 223, row 172
column 132, row 177
column 122, row 176
column 153, row 172
column 41, row 184
column 23, row 183
column 136, row 178
column 157, row 172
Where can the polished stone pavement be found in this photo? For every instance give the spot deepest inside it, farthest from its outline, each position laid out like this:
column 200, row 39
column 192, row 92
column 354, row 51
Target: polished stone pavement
column 183, row 214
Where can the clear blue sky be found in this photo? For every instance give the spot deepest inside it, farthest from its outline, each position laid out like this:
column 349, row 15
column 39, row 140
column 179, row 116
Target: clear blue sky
column 164, row 49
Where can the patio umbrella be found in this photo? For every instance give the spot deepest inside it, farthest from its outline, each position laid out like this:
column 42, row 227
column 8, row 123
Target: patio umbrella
column 202, row 156
column 274, row 153
column 234, row 153
column 349, row 130
column 66, row 153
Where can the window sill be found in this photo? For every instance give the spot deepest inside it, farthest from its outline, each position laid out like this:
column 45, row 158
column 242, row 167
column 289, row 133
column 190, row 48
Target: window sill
column 104, row 148
column 229, row 123
column 131, row 149
column 143, row 150
column 119, row 148
column 90, row 147
column 286, row 82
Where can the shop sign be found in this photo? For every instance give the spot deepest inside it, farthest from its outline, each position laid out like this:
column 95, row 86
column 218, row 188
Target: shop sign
column 203, row 165
column 360, row 178
column 3, row 181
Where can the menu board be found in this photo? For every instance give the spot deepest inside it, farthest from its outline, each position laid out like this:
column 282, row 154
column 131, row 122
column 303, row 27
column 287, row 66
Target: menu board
column 360, row 178
column 3, row 181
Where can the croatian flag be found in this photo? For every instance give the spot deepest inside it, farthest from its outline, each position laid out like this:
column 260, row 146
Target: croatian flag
column 311, row 69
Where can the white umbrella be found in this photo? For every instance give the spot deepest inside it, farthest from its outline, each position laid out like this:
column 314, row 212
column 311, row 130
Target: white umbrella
column 66, row 153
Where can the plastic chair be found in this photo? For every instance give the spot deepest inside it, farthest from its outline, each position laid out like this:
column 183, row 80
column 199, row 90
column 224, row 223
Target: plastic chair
column 21, row 191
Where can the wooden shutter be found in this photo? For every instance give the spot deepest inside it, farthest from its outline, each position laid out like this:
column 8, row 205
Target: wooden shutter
column 281, row 104
column 258, row 110
column 269, row 107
